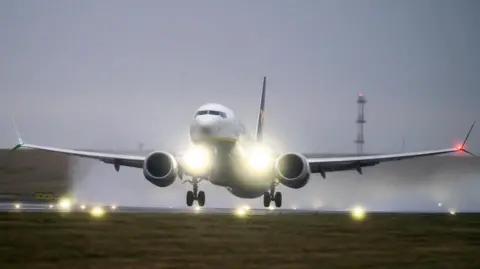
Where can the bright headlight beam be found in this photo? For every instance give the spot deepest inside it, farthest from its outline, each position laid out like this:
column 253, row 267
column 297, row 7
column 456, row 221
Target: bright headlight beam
column 260, row 158
column 197, row 158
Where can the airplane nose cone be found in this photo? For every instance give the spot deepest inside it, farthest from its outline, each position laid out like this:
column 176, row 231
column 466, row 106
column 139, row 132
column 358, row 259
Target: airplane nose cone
column 203, row 127
column 205, row 121
column 205, row 130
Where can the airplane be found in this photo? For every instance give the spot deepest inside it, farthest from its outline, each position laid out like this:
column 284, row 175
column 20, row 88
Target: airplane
column 223, row 153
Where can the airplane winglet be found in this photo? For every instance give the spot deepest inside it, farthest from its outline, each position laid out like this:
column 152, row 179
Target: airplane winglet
column 20, row 141
column 468, row 134
column 462, row 147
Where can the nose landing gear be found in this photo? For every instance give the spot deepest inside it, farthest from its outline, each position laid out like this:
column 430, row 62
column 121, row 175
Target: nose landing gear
column 195, row 195
column 272, row 196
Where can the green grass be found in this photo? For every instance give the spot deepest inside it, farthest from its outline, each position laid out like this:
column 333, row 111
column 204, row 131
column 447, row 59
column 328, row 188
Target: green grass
column 51, row 240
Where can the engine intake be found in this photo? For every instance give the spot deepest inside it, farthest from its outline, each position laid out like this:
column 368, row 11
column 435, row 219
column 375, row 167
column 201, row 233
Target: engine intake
column 292, row 170
column 160, row 168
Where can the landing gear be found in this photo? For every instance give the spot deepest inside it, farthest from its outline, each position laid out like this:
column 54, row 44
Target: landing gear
column 272, row 196
column 195, row 195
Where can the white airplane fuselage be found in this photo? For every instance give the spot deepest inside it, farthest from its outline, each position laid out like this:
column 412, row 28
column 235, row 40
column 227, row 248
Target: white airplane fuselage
column 216, row 127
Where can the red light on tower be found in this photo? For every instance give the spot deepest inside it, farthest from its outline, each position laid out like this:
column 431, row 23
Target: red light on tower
column 459, row 146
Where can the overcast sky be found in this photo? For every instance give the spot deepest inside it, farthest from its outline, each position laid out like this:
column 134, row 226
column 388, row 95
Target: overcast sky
column 113, row 73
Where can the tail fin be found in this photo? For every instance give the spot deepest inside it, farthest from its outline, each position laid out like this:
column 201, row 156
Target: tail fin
column 259, row 133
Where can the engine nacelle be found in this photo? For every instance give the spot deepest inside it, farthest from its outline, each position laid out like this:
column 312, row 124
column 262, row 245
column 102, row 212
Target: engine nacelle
column 292, row 170
column 160, row 168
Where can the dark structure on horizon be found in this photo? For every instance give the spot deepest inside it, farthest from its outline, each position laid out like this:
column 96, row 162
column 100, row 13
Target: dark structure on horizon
column 361, row 101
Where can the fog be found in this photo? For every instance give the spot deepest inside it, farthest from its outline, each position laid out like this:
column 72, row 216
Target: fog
column 110, row 74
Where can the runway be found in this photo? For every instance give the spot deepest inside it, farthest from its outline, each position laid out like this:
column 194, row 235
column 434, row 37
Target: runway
column 55, row 207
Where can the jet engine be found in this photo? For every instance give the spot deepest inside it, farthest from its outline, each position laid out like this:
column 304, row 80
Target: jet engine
column 160, row 168
column 292, row 170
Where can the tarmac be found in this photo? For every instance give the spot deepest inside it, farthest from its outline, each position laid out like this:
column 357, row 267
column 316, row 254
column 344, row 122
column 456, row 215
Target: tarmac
column 55, row 207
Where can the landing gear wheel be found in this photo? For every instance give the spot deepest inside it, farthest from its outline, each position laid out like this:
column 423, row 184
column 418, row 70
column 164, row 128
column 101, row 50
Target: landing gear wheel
column 190, row 198
column 201, row 198
column 266, row 199
column 278, row 199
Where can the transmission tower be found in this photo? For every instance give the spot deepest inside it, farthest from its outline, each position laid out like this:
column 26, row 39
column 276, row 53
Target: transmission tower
column 361, row 101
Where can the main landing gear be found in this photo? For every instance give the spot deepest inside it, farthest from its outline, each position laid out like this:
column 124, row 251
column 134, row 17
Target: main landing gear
column 272, row 196
column 195, row 195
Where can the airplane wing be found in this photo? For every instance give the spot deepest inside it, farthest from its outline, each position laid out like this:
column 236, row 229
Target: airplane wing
column 323, row 165
column 116, row 159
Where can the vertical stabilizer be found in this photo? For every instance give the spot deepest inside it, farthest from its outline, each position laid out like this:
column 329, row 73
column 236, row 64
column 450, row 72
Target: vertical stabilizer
column 259, row 132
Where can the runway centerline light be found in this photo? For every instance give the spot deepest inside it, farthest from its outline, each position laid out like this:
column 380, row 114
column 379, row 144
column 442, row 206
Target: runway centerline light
column 241, row 211
column 358, row 213
column 97, row 212
column 65, row 204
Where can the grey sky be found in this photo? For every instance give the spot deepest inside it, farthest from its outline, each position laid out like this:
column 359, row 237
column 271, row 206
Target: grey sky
column 109, row 74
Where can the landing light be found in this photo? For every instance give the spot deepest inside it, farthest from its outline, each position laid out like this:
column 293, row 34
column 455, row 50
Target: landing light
column 113, row 207
column 18, row 206
column 198, row 159
column 452, row 212
column 260, row 158
column 197, row 208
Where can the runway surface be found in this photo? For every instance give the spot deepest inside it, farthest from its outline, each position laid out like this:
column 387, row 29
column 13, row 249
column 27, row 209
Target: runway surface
column 54, row 207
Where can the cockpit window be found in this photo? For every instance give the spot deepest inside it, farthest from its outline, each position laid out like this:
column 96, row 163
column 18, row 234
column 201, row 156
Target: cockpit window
column 217, row 113
column 211, row 112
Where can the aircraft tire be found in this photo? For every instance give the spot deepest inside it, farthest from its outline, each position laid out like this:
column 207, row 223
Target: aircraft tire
column 201, row 198
column 266, row 199
column 278, row 199
column 190, row 198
